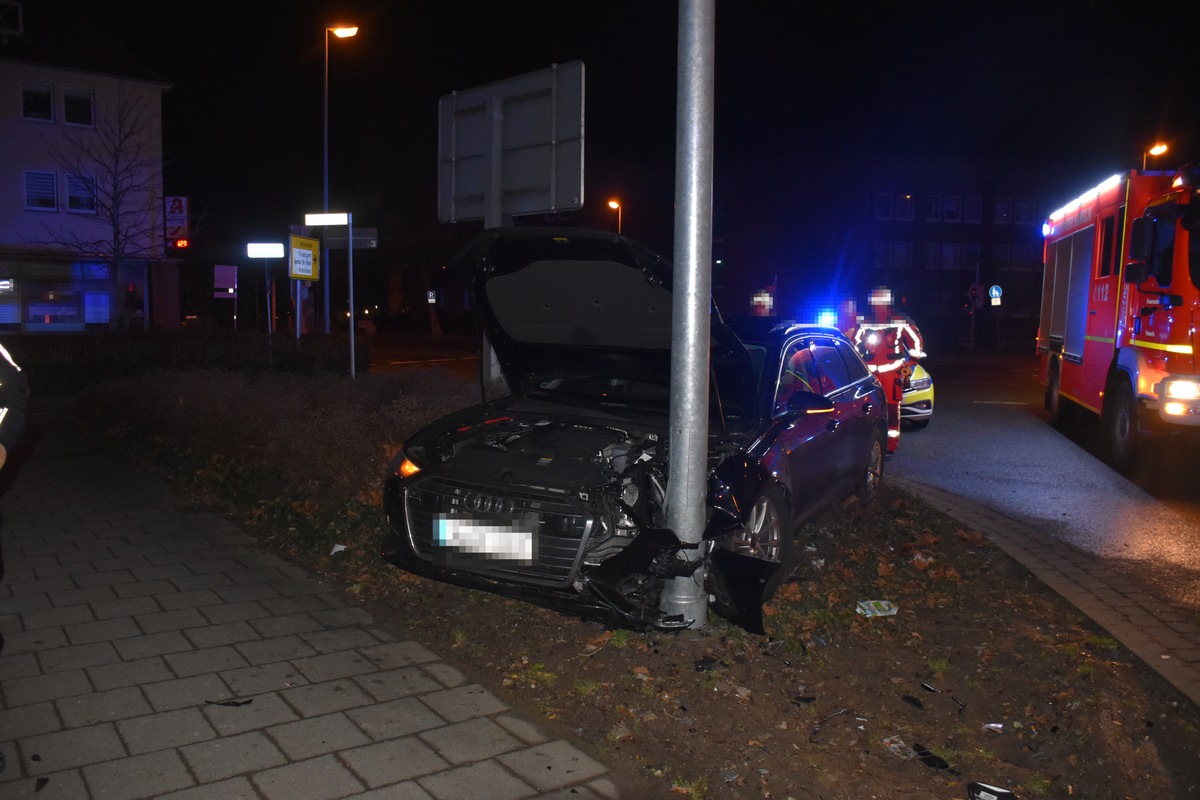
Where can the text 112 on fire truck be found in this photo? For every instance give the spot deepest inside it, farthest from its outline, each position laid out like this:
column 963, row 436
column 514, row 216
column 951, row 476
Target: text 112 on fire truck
column 1120, row 305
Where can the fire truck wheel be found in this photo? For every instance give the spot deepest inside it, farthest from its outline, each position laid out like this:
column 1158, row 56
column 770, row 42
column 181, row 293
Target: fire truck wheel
column 873, row 471
column 1122, row 427
column 1059, row 407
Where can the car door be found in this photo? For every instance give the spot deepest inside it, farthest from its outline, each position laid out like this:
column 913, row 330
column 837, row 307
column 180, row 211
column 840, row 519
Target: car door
column 855, row 404
column 807, row 440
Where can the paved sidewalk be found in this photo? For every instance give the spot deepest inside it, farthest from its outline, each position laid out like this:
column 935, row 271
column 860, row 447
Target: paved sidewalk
column 151, row 651
column 1165, row 638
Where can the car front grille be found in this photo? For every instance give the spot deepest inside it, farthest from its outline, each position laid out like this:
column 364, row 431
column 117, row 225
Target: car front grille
column 561, row 526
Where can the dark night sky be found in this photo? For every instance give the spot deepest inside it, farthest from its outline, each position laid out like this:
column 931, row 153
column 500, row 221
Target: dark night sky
column 1071, row 83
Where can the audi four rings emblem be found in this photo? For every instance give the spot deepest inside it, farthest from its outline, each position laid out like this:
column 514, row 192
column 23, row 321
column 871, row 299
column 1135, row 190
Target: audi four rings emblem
column 488, row 503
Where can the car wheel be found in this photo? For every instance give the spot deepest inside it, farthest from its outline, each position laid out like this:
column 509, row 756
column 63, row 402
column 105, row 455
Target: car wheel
column 1122, row 427
column 872, row 476
column 768, row 534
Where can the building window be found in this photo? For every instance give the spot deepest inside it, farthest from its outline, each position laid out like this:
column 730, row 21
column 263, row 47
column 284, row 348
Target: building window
column 81, row 194
column 973, row 210
column 971, row 255
column 881, row 255
column 78, row 107
column 951, row 209
column 933, row 209
column 904, row 207
column 933, row 255
column 40, row 191
column 37, row 102
column 1023, row 211
column 1003, row 210
column 902, row 255
column 883, row 206
column 950, row 255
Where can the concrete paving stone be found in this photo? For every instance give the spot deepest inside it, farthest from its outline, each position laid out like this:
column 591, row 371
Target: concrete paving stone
column 343, row 617
column 252, row 559
column 70, row 748
column 332, row 641
column 171, row 557
column 285, row 625
column 126, row 607
column 164, row 572
column 227, row 633
column 245, row 594
column 110, row 578
column 295, row 605
column 129, row 673
column 293, row 572
column 185, row 692
column 398, row 654
column 135, row 564
column 464, row 702
column 24, row 604
column 409, row 790
column 394, row 761
column 329, row 666
column 300, row 585
column 65, row 785
column 486, row 779
column 97, row 707
column 60, row 659
column 317, row 736
column 277, row 675
column 210, row 659
column 522, row 728
column 472, row 740
column 20, row 665
column 189, row 598
column 394, row 719
column 192, row 583
column 384, row 635
column 232, row 789
column 322, row 778
column 211, row 565
column 142, row 588
column 74, row 597
column 443, row 673
column 164, row 730
column 316, row 699
column 394, row 683
column 250, row 577
column 38, row 688
column 232, row 612
column 266, row 710
column 553, row 765
column 280, row 648
column 56, row 617
column 102, row 631
column 152, row 644
column 140, row 776
column 142, row 549
column 32, row 587
column 43, row 548
column 232, row 755
column 1189, row 654
column 28, row 720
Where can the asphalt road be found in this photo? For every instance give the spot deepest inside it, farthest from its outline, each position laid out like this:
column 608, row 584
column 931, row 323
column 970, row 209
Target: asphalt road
column 990, row 441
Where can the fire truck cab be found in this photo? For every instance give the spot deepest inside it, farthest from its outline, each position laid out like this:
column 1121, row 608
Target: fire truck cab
column 1120, row 306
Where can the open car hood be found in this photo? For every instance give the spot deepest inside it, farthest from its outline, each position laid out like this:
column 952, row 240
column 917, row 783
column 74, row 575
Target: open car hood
column 557, row 301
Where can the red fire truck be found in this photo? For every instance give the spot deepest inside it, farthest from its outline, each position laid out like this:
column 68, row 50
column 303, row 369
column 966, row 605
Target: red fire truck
column 1120, row 306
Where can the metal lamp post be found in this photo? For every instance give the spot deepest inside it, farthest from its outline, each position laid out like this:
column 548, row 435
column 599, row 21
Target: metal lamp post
column 340, row 218
column 1157, row 150
column 341, row 32
column 616, row 206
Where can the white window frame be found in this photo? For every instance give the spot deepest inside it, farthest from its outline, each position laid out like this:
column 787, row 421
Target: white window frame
column 43, row 175
column 79, row 94
column 81, row 187
column 41, row 88
column 951, row 208
column 904, row 207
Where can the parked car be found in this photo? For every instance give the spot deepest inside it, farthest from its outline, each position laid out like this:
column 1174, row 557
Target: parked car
column 556, row 493
column 916, row 405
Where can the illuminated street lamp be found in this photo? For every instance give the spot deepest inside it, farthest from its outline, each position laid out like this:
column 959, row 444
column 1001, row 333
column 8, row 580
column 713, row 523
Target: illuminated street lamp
column 341, row 32
column 1158, row 149
column 325, row 220
column 616, row 206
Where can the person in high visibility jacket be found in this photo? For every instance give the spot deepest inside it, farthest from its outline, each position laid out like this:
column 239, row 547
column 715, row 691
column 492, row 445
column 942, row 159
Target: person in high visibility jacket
column 890, row 350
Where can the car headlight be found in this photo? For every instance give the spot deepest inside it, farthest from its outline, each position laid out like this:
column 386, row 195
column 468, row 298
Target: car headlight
column 405, row 465
column 920, row 384
column 1182, row 388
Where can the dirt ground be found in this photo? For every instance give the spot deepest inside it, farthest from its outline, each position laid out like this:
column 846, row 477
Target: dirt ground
column 982, row 674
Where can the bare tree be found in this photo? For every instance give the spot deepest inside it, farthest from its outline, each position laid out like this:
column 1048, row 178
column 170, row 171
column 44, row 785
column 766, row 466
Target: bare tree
column 117, row 167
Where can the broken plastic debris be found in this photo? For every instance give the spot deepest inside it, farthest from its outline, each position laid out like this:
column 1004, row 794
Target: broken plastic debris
column 914, row 702
column 985, row 791
column 337, row 548
column 877, row 608
column 897, row 746
column 931, row 760
column 994, row 727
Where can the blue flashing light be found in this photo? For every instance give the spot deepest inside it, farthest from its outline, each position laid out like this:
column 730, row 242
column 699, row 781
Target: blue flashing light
column 827, row 317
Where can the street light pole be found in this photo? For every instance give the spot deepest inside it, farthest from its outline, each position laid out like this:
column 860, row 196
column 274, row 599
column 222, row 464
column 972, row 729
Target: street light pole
column 616, row 206
column 1157, row 150
column 342, row 32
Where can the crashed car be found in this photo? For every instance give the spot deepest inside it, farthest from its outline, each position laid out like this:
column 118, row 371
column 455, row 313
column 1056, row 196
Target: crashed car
column 556, row 492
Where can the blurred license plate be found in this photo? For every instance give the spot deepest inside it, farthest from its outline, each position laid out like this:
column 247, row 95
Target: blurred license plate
column 510, row 540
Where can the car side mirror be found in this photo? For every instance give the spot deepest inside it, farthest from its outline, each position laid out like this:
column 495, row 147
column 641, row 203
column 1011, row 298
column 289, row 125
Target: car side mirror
column 809, row 403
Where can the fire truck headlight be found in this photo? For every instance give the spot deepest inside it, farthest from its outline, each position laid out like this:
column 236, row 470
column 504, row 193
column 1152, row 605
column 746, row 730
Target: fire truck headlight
column 1175, row 409
column 1185, row 389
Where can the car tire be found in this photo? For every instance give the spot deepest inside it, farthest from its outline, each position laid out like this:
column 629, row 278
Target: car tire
column 872, row 474
column 1121, row 427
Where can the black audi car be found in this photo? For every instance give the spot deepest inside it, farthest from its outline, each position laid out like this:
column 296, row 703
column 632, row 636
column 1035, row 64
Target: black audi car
column 556, row 492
